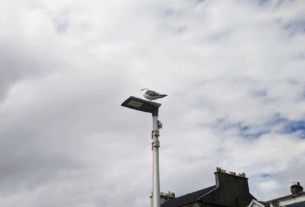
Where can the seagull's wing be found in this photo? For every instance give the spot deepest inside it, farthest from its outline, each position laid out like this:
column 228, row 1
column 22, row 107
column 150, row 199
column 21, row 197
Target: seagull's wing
column 152, row 93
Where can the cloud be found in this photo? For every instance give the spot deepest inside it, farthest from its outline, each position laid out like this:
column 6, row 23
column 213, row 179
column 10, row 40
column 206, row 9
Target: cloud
column 233, row 71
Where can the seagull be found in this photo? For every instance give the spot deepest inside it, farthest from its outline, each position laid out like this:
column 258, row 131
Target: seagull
column 151, row 95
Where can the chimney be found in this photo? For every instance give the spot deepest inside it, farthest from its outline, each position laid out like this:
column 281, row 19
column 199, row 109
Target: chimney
column 296, row 189
column 229, row 179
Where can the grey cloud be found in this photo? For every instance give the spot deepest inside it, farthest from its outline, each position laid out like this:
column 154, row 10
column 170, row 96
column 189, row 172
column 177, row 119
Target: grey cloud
column 65, row 139
column 19, row 61
column 294, row 28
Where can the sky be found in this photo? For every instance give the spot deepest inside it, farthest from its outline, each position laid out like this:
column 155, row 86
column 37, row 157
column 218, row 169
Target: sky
column 233, row 71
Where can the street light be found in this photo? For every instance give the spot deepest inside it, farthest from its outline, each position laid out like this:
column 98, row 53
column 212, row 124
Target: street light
column 153, row 108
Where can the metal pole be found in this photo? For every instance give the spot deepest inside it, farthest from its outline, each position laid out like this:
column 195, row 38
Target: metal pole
column 155, row 149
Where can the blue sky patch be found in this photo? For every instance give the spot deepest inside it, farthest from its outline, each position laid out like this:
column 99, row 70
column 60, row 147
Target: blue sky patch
column 289, row 126
column 295, row 127
column 281, row 124
column 243, row 129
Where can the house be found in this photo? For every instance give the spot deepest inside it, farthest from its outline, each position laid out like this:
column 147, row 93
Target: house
column 231, row 190
column 295, row 199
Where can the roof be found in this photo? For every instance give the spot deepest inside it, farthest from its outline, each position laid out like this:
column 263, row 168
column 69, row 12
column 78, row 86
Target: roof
column 287, row 197
column 188, row 198
column 302, row 204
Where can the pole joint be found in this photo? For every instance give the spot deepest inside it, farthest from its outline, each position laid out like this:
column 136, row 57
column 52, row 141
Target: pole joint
column 155, row 134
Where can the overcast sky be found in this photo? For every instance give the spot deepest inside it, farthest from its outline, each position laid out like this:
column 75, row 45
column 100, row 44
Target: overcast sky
column 233, row 71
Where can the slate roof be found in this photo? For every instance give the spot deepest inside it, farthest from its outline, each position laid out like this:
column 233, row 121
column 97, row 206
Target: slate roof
column 302, row 204
column 188, row 198
column 287, row 197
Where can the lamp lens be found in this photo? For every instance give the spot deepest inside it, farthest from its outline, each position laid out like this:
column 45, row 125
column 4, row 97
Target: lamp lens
column 134, row 103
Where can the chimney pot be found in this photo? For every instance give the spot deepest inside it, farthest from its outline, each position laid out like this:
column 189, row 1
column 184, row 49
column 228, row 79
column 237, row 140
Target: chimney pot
column 296, row 189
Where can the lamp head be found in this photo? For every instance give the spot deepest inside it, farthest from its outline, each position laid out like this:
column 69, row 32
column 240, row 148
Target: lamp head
column 142, row 105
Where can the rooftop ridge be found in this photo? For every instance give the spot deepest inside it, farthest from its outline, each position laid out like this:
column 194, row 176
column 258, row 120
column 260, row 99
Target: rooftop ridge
column 223, row 171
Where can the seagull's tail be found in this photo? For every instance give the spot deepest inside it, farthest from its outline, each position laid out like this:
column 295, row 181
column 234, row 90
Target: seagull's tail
column 162, row 95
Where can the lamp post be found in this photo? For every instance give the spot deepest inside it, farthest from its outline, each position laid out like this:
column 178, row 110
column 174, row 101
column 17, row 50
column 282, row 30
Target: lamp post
column 153, row 108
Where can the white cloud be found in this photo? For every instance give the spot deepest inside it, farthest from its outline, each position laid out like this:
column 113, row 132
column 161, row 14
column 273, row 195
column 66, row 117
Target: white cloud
column 233, row 72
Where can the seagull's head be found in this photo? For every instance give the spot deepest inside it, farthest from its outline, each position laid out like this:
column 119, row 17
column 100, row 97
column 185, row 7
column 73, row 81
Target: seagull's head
column 144, row 89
